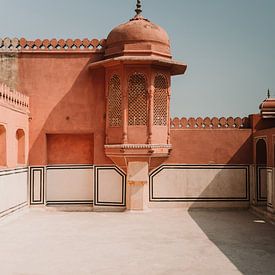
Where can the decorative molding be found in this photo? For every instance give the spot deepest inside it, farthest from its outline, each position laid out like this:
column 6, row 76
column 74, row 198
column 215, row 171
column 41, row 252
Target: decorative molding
column 68, row 202
column 13, row 209
column 8, row 171
column 69, row 166
column 210, row 123
column 53, row 45
column 41, row 171
column 137, row 146
column 153, row 198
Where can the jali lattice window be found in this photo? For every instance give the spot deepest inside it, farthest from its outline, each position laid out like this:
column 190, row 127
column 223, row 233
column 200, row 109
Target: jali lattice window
column 115, row 102
column 137, row 100
column 160, row 100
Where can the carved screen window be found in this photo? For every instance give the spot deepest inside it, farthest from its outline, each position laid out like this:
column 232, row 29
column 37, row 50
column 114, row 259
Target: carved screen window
column 160, row 100
column 115, row 102
column 137, row 100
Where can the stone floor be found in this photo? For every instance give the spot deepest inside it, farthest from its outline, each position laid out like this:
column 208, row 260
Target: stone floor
column 159, row 241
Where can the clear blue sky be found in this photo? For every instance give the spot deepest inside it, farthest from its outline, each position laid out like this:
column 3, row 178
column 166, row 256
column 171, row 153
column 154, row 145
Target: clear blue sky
column 229, row 45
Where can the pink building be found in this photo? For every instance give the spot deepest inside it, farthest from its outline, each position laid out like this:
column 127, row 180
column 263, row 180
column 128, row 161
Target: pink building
column 91, row 126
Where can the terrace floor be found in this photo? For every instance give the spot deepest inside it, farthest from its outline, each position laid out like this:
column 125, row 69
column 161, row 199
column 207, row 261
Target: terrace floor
column 159, row 241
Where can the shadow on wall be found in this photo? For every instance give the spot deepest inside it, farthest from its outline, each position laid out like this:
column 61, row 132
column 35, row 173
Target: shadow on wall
column 249, row 243
column 78, row 111
column 223, row 182
column 246, row 241
column 231, row 184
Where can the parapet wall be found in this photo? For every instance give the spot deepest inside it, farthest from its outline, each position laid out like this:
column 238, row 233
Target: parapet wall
column 13, row 98
column 46, row 45
column 210, row 123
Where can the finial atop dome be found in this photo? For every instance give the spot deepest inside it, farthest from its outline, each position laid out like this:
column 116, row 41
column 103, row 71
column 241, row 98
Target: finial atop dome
column 268, row 93
column 138, row 10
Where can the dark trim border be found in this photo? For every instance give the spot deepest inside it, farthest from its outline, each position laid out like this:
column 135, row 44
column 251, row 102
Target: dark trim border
column 41, row 170
column 69, row 166
column 153, row 198
column 259, row 182
column 7, row 172
column 97, row 202
column 13, row 209
column 69, row 202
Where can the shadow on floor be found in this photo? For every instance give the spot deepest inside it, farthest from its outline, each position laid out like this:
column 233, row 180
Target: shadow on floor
column 247, row 241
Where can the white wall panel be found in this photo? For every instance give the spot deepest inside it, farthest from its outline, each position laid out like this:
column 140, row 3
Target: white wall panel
column 69, row 184
column 190, row 182
column 13, row 189
column 109, row 186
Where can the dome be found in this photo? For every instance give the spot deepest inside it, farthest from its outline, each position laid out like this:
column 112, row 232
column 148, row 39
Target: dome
column 138, row 36
column 267, row 108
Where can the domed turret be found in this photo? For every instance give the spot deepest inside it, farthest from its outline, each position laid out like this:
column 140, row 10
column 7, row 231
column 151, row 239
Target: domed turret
column 138, row 67
column 138, row 36
column 267, row 107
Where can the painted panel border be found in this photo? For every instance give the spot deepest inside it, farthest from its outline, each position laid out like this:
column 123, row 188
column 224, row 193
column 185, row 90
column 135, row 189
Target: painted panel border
column 153, row 198
column 260, row 197
column 97, row 202
column 41, row 170
column 68, row 167
column 5, row 172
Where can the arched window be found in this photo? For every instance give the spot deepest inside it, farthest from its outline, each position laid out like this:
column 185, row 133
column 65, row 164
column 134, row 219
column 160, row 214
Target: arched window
column 20, row 136
column 114, row 102
column 261, row 172
column 3, row 147
column 160, row 100
column 137, row 100
column 261, row 154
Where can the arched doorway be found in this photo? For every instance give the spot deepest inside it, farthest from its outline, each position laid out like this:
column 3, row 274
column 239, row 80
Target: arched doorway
column 20, row 136
column 3, row 147
column 261, row 170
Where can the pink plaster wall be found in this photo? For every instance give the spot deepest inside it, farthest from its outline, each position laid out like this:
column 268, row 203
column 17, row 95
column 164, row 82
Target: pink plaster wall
column 65, row 98
column 68, row 98
column 13, row 120
column 70, row 148
column 210, row 146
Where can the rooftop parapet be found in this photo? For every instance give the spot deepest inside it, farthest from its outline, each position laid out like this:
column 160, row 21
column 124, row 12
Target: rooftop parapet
column 53, row 45
column 13, row 99
column 210, row 123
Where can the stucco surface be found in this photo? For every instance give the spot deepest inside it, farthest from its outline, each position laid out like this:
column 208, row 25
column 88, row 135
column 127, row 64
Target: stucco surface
column 162, row 241
column 222, row 146
column 65, row 98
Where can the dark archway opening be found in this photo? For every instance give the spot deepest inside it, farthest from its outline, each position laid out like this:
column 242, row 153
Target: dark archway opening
column 261, row 171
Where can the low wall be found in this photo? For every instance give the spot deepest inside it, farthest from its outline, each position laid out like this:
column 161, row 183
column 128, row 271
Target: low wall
column 177, row 185
column 200, row 185
column 61, row 184
column 102, row 186
column 13, row 190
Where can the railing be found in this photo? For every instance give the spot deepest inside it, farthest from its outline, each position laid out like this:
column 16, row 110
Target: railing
column 23, row 45
column 210, row 123
column 13, row 98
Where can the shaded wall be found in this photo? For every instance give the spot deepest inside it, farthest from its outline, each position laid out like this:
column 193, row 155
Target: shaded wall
column 65, row 98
